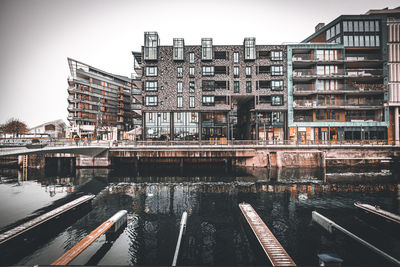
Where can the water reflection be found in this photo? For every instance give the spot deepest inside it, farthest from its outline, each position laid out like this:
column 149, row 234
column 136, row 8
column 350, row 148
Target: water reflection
column 155, row 200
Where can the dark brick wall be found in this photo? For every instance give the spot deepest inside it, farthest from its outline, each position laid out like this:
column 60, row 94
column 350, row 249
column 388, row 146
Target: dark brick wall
column 167, row 78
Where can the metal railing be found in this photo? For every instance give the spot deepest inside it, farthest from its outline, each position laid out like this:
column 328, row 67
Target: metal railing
column 335, row 103
column 360, row 87
column 12, row 144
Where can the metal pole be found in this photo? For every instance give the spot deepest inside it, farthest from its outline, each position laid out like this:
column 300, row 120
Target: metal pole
column 329, row 225
column 178, row 244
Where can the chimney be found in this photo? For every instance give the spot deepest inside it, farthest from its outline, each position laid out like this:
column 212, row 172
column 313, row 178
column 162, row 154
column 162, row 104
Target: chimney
column 319, row 26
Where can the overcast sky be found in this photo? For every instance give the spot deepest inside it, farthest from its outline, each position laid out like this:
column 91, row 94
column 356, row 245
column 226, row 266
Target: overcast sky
column 37, row 36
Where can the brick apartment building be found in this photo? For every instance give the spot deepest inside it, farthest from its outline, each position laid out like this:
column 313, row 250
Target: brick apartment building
column 207, row 91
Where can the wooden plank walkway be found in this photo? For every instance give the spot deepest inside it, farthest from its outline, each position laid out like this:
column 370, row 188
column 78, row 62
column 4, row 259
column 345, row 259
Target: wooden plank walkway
column 12, row 233
column 271, row 246
column 83, row 244
column 377, row 211
column 118, row 220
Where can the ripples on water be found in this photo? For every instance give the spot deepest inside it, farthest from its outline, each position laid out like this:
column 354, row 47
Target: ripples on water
column 215, row 234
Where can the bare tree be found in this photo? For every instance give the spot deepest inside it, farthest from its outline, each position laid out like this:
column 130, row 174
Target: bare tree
column 15, row 127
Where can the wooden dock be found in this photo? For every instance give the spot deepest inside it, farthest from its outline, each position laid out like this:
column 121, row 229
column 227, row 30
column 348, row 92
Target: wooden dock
column 377, row 211
column 16, row 231
column 117, row 221
column 271, row 246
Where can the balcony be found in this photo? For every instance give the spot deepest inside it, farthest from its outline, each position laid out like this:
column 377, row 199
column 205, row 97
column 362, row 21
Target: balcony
column 303, row 118
column 136, row 91
column 363, row 57
column 311, row 73
column 360, row 118
column 137, row 106
column 336, row 104
column 309, row 89
column 309, row 57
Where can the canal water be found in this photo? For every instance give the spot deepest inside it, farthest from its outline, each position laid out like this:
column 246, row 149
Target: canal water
column 155, row 199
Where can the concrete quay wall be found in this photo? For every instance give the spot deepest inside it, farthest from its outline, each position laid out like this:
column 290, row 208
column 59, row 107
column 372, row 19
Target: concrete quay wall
column 245, row 157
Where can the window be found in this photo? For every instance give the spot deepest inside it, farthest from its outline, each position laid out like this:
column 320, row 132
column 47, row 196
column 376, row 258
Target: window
column 337, row 28
column 277, row 85
column 263, row 69
column 366, row 26
column 346, row 40
column 235, row 72
column 248, row 87
column 151, row 71
column 179, row 101
column 179, row 45
column 208, row 70
column 249, row 48
column 191, row 101
column 179, row 87
column 377, row 43
column 367, row 43
column 361, row 26
column 151, row 100
column 191, row 57
column 248, row 72
column 277, row 70
column 328, row 35
column 180, row 72
column 351, row 40
column 191, row 87
column 372, row 40
column 208, row 85
column 276, row 100
column 350, row 24
column 377, row 26
column 151, row 86
column 356, row 40
column 236, row 88
column 264, row 84
column 236, row 57
column 206, row 49
column 220, row 54
column 208, row 100
column 276, row 117
column 356, row 26
column 150, row 45
column 345, row 26
column 220, row 70
column 361, row 40
column 276, row 55
column 191, row 71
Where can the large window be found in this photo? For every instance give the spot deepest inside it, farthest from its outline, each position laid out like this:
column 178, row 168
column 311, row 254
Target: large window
column 179, row 87
column 248, row 87
column 235, row 57
column 206, row 49
column 151, row 100
column 191, row 57
column 276, row 70
column 208, row 70
column 179, row 71
column 150, row 45
column 178, row 49
column 179, row 102
column 151, row 71
column 277, row 85
column 191, row 101
column 235, row 72
column 208, row 100
column 191, row 71
column 276, row 55
column 276, row 100
column 248, row 72
column 151, row 86
column 191, row 87
column 208, row 85
column 236, row 88
column 249, row 48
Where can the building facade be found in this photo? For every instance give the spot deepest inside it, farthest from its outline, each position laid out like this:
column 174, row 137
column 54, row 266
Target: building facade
column 213, row 92
column 101, row 105
column 337, row 81
column 55, row 128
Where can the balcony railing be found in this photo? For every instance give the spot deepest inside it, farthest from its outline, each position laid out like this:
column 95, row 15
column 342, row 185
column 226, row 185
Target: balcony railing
column 333, row 104
column 303, row 118
column 362, row 57
column 356, row 87
column 349, row 73
column 360, row 118
column 308, row 57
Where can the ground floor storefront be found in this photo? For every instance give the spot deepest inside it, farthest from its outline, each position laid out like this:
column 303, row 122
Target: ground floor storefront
column 308, row 134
